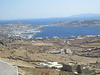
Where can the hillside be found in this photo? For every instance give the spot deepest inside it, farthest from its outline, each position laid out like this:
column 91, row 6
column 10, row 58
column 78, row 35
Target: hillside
column 77, row 23
column 27, row 53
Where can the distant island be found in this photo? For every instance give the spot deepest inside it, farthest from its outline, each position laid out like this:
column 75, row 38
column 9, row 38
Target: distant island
column 82, row 23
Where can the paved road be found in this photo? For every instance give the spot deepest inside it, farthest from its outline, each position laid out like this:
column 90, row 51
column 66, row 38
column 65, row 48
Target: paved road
column 7, row 69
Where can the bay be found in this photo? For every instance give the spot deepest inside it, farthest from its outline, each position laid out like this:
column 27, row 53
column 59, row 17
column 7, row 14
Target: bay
column 64, row 32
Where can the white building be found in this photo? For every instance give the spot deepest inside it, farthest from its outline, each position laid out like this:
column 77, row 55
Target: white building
column 68, row 51
column 51, row 64
column 62, row 51
column 33, row 41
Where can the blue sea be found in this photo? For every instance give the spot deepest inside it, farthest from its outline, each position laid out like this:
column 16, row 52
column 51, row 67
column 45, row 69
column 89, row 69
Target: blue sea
column 64, row 32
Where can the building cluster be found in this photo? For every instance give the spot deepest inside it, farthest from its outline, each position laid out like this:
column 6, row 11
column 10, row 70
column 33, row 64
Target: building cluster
column 55, row 65
column 78, row 69
column 72, row 68
column 62, row 51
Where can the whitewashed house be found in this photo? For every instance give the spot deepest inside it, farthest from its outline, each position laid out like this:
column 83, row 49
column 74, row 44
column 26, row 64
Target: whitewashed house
column 62, row 51
column 68, row 51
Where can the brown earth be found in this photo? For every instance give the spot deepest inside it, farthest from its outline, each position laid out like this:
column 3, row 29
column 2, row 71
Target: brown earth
column 24, row 53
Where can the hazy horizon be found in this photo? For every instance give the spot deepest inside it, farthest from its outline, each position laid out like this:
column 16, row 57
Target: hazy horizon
column 34, row 9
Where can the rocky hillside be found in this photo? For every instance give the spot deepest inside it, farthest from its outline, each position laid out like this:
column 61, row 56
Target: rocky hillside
column 28, row 53
column 77, row 23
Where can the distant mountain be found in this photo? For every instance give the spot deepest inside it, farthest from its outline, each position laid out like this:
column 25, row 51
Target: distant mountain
column 77, row 23
column 45, row 21
column 86, row 15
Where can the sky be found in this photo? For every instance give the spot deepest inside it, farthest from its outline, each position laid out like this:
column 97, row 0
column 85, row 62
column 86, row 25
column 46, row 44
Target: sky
column 28, row 9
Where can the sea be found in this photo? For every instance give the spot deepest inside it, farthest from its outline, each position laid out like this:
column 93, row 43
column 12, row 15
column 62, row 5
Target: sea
column 54, row 31
column 64, row 32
